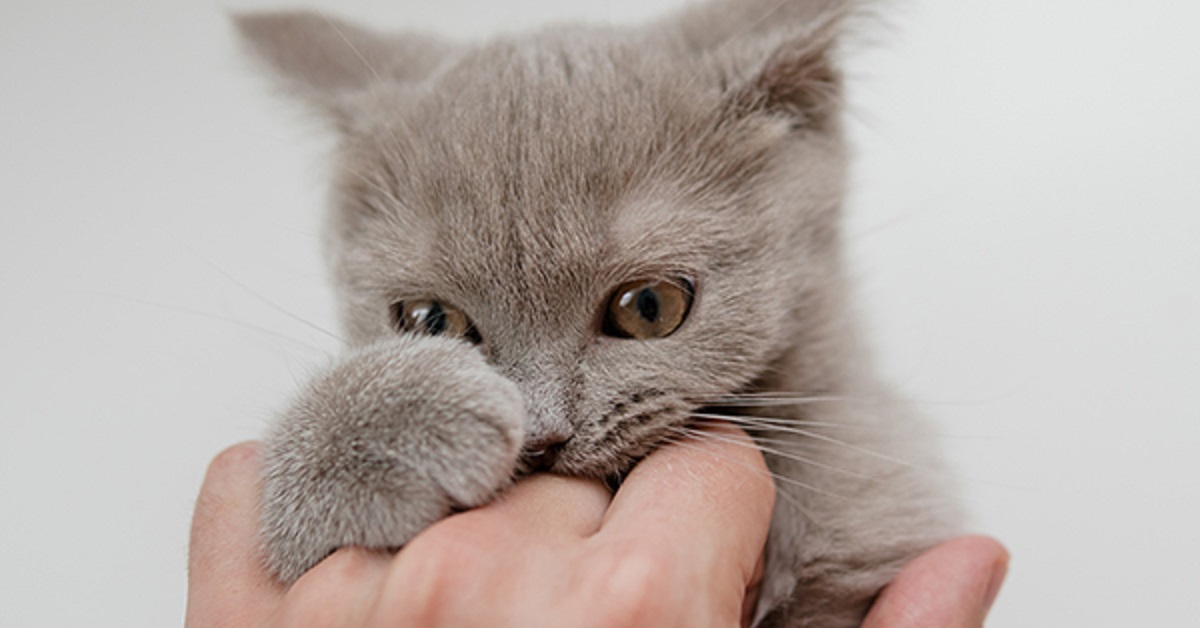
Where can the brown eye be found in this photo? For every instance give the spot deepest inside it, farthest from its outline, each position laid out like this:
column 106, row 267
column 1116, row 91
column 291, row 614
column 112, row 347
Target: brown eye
column 433, row 318
column 648, row 309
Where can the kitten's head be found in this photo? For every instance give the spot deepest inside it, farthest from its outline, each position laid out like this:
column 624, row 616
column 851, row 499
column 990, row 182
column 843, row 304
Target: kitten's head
column 626, row 223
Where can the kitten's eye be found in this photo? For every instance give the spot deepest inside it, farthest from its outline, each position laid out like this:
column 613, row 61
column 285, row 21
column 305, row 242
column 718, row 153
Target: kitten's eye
column 433, row 318
column 648, row 309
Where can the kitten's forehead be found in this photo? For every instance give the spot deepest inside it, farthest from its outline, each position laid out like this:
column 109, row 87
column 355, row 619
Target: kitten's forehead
column 546, row 119
column 523, row 138
column 558, row 128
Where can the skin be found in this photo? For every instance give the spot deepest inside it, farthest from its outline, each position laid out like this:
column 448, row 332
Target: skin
column 665, row 550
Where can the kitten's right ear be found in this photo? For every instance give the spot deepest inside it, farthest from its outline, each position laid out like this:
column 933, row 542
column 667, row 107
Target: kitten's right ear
column 328, row 62
column 779, row 55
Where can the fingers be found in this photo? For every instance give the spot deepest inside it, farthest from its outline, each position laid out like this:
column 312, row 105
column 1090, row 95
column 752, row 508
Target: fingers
column 951, row 586
column 540, row 510
column 227, row 584
column 710, row 499
column 505, row 563
column 707, row 488
column 554, row 505
column 693, row 516
column 342, row 590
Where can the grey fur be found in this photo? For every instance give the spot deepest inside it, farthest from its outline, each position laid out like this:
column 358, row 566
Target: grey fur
column 522, row 180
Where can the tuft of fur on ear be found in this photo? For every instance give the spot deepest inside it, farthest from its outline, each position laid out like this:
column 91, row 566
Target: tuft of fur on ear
column 780, row 53
column 327, row 62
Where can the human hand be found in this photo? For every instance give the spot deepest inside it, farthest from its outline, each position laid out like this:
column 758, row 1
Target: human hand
column 666, row 550
column 952, row 585
column 558, row 551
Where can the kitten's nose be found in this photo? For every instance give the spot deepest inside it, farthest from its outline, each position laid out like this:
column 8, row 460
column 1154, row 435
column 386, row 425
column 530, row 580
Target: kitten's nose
column 541, row 453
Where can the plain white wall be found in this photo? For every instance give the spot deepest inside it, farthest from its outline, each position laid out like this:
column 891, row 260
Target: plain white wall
column 1024, row 226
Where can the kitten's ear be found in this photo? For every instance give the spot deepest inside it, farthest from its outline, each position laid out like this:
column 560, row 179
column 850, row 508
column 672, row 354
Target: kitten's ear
column 328, row 62
column 780, row 54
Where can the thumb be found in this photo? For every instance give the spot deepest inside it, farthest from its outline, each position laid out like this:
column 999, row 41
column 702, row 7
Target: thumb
column 227, row 585
column 950, row 586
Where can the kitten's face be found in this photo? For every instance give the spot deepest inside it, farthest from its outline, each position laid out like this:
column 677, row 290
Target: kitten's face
column 524, row 187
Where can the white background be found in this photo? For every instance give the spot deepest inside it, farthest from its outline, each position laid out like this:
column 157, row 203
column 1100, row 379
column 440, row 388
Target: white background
column 1025, row 227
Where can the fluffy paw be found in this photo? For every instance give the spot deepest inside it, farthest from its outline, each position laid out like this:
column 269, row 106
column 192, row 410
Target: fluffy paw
column 387, row 442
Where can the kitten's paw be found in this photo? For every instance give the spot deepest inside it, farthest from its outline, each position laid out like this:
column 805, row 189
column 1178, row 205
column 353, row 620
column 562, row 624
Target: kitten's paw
column 387, row 442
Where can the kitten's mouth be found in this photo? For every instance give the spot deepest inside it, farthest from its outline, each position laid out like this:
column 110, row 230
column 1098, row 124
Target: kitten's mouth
column 608, row 456
column 543, row 456
column 614, row 480
column 547, row 461
column 560, row 459
column 540, row 459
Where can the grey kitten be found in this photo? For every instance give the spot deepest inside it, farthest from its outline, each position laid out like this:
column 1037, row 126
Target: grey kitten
column 559, row 251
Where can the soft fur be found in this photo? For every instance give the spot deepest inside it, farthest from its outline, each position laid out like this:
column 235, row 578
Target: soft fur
column 522, row 180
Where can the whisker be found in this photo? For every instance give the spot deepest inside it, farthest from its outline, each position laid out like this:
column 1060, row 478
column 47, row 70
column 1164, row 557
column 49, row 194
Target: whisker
column 775, row 476
column 767, row 424
column 346, row 40
column 770, row 450
column 770, row 423
column 374, row 86
column 828, row 439
column 210, row 316
column 690, row 442
column 248, row 290
column 771, row 401
column 766, row 393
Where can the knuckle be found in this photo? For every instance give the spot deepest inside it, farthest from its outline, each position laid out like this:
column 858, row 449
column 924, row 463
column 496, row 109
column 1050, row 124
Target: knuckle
column 427, row 575
column 445, row 551
column 434, row 570
column 634, row 586
column 330, row 593
column 333, row 574
column 345, row 567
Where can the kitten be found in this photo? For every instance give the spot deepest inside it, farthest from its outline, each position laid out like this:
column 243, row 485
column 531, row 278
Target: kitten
column 558, row 251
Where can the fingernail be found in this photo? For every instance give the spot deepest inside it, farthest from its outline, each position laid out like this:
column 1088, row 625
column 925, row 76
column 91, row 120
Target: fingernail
column 999, row 571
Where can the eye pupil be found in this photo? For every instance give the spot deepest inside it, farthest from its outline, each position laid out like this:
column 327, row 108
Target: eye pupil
column 648, row 304
column 435, row 320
